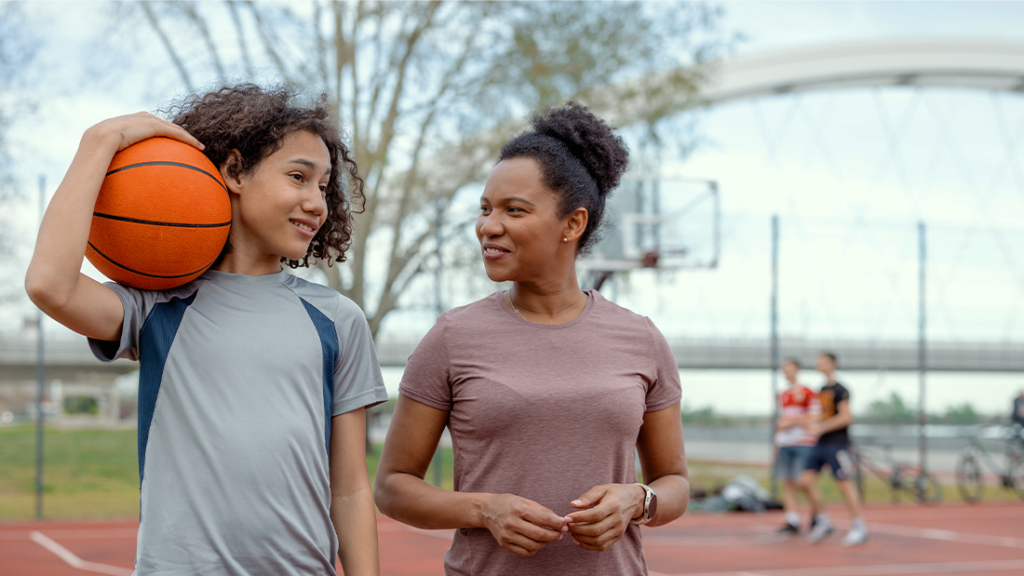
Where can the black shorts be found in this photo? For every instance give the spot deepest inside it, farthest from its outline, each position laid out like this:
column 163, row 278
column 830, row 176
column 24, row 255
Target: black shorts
column 837, row 456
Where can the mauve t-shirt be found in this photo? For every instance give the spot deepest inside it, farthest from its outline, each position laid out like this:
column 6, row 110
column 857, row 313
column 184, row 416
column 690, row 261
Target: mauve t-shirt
column 546, row 412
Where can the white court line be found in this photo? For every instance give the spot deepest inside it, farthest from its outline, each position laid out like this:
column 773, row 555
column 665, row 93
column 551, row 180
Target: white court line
column 947, row 535
column 942, row 514
column 127, row 534
column 76, row 562
column 874, row 570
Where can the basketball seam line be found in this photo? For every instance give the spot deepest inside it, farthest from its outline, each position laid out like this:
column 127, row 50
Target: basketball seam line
column 119, row 265
column 153, row 223
column 179, row 164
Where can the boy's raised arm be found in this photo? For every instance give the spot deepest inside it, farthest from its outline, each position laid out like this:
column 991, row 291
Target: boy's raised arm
column 54, row 281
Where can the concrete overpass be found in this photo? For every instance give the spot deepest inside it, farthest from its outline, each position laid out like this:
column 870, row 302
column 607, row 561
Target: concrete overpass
column 949, row 63
column 755, row 354
column 70, row 359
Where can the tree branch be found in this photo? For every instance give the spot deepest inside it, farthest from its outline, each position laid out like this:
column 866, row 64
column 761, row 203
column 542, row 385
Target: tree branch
column 175, row 59
column 204, row 32
column 387, row 131
column 268, row 41
column 240, row 30
column 321, row 42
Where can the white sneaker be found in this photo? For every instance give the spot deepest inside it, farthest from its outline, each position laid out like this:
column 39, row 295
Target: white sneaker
column 856, row 536
column 821, row 529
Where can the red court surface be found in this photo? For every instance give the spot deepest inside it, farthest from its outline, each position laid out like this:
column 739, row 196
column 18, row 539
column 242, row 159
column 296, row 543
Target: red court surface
column 969, row 540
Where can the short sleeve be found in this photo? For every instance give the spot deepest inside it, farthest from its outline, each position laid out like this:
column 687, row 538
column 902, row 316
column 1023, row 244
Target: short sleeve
column 426, row 378
column 358, row 382
column 666, row 389
column 842, row 394
column 137, row 305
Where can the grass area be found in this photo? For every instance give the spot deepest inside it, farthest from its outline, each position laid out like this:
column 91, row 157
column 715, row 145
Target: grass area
column 87, row 473
column 94, row 474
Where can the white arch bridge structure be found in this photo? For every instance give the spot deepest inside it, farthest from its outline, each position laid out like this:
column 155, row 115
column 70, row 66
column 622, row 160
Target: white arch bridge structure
column 991, row 66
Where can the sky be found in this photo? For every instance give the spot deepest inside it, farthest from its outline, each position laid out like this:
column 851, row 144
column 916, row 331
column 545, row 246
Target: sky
column 848, row 219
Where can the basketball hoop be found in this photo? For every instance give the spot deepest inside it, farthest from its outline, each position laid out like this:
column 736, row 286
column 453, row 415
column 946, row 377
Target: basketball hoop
column 659, row 224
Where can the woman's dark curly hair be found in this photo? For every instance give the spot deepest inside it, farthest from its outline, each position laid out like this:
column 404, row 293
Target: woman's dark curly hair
column 581, row 159
column 254, row 121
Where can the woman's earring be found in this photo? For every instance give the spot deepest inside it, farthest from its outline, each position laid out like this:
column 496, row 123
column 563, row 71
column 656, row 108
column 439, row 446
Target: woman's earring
column 565, row 239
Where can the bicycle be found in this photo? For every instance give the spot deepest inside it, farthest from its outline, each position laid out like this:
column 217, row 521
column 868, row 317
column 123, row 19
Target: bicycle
column 969, row 479
column 900, row 477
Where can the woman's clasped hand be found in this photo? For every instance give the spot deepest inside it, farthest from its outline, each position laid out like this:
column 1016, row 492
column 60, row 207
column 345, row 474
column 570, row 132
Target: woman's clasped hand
column 523, row 526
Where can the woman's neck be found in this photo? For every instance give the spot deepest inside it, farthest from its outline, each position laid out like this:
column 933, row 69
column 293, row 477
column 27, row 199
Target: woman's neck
column 547, row 304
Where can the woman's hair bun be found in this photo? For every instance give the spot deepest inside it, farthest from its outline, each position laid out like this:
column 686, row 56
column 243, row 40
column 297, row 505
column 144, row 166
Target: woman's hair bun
column 589, row 138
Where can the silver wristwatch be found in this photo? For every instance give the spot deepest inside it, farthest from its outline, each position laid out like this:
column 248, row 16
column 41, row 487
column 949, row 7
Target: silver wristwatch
column 650, row 506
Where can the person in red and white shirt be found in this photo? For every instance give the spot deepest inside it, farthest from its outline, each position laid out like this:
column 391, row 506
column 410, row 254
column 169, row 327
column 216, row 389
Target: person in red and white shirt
column 798, row 407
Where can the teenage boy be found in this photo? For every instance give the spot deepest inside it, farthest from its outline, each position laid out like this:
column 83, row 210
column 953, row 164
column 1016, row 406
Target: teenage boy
column 798, row 409
column 833, row 448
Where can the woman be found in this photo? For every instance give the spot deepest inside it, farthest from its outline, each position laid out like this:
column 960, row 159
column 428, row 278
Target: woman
column 546, row 389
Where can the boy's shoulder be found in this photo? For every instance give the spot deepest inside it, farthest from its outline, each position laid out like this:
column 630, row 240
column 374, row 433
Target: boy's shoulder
column 805, row 389
column 799, row 393
column 837, row 389
column 328, row 301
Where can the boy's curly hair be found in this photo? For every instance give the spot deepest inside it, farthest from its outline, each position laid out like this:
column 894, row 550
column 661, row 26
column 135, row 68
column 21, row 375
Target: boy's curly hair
column 254, row 121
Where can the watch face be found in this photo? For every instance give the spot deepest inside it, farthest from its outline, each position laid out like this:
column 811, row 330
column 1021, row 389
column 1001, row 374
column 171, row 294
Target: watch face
column 652, row 509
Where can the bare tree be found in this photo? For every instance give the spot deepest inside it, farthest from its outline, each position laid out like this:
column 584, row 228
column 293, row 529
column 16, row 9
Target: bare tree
column 17, row 52
column 428, row 91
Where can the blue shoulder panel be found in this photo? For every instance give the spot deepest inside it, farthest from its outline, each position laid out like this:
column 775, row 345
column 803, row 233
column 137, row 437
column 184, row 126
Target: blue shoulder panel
column 329, row 345
column 154, row 343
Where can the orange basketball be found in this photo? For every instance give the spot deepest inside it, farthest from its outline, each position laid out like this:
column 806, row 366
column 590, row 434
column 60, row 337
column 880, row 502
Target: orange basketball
column 162, row 216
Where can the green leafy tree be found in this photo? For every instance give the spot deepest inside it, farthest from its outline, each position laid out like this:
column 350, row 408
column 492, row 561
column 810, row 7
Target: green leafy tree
column 428, row 91
column 891, row 411
column 962, row 414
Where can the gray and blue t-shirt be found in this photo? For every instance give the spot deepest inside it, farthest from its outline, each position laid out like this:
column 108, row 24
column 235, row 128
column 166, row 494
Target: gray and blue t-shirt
column 239, row 378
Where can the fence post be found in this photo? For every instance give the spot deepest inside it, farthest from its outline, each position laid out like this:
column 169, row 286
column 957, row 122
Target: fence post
column 40, row 378
column 922, row 359
column 775, row 346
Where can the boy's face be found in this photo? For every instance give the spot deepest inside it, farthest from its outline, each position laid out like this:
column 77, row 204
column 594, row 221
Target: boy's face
column 280, row 204
column 790, row 370
column 826, row 365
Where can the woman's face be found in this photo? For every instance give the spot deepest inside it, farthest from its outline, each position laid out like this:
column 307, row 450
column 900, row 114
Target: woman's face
column 519, row 230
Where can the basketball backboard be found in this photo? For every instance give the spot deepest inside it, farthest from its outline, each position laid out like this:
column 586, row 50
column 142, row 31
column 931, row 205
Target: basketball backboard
column 659, row 223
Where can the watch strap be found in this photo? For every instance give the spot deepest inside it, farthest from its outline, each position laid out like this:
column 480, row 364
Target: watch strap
column 644, row 516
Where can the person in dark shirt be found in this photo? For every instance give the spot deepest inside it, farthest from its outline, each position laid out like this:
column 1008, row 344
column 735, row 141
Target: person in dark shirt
column 1017, row 422
column 833, row 448
column 1017, row 417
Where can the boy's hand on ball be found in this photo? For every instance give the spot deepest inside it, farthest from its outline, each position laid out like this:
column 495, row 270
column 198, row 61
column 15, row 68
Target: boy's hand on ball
column 131, row 128
column 613, row 505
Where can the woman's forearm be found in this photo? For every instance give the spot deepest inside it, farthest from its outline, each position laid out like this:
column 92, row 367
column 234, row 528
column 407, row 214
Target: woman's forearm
column 411, row 500
column 673, row 492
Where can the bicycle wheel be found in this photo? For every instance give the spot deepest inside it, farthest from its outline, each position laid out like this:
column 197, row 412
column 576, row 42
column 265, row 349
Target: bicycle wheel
column 927, row 490
column 968, row 479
